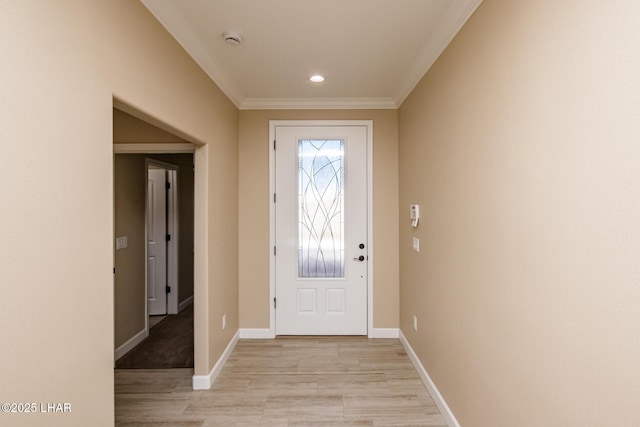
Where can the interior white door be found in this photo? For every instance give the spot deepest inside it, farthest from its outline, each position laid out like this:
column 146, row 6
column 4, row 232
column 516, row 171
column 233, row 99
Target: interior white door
column 157, row 242
column 321, row 230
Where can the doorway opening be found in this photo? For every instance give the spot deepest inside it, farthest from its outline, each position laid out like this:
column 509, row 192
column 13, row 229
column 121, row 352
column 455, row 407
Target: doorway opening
column 162, row 236
column 147, row 283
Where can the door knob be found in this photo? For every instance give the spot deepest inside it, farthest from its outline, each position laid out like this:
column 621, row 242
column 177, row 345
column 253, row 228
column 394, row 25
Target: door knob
column 360, row 258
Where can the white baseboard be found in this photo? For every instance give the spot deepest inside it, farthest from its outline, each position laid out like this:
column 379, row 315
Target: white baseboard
column 186, row 303
column 385, row 333
column 267, row 334
column 431, row 387
column 204, row 382
column 130, row 344
column 260, row 334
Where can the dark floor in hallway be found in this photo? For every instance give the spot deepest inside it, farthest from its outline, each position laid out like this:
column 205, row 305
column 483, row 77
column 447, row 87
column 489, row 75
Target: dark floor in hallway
column 169, row 345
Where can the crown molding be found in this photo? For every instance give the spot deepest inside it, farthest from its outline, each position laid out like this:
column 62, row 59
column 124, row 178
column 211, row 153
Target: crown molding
column 457, row 15
column 318, row 104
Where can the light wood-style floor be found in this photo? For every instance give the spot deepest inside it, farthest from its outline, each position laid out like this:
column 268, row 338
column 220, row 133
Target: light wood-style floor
column 296, row 381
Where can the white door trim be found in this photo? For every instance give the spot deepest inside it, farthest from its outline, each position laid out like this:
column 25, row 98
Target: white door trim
column 272, row 225
column 172, row 246
column 173, row 221
column 154, row 148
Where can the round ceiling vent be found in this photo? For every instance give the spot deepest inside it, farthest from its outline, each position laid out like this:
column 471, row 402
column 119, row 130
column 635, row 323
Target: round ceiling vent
column 233, row 39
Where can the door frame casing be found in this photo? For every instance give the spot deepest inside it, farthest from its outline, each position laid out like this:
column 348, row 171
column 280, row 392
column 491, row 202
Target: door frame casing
column 368, row 124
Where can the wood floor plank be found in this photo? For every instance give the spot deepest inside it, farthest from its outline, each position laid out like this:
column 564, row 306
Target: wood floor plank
column 304, row 406
column 328, row 422
column 286, row 382
column 352, row 383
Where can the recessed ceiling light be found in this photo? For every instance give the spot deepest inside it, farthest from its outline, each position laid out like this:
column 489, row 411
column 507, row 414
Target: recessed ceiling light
column 317, row 78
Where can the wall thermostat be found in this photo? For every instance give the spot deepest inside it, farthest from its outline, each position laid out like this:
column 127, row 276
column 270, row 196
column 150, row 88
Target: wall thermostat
column 415, row 215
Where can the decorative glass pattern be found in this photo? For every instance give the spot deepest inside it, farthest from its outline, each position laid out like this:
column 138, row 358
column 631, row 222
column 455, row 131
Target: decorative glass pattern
column 320, row 208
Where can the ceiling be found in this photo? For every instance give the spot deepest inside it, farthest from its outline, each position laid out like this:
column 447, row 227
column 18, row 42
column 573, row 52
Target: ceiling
column 372, row 53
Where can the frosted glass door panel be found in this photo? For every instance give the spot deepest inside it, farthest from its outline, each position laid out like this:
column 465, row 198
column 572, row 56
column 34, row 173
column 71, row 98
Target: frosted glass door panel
column 320, row 208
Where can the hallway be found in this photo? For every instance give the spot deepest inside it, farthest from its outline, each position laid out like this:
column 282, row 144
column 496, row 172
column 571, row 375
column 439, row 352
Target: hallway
column 516, row 133
column 169, row 345
column 289, row 381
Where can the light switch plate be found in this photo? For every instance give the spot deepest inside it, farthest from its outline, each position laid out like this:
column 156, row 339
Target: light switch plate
column 121, row 242
column 416, row 244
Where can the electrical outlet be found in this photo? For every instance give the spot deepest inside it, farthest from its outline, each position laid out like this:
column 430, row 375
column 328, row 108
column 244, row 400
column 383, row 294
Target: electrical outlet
column 416, row 244
column 224, row 321
column 415, row 323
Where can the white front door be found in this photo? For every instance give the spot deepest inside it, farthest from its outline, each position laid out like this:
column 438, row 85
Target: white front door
column 321, row 230
column 157, row 242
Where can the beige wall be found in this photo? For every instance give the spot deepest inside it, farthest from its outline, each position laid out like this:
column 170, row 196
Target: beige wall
column 131, row 130
column 129, row 220
column 129, row 200
column 254, row 210
column 65, row 61
column 522, row 147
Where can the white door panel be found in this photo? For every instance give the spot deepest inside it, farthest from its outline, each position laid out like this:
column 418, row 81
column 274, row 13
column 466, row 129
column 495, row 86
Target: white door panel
column 321, row 230
column 156, row 242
